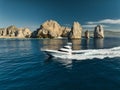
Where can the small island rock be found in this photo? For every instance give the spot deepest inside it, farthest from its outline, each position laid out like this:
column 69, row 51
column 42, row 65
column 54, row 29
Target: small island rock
column 87, row 35
column 99, row 32
column 76, row 31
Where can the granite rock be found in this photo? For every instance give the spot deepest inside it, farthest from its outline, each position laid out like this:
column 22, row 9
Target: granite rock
column 76, row 31
column 51, row 29
column 14, row 32
column 87, row 35
column 99, row 31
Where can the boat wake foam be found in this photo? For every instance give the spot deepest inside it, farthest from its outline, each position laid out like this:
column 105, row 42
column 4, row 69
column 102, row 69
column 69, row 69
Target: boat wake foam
column 93, row 53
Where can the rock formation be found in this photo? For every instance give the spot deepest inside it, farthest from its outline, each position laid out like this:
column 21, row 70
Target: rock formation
column 65, row 31
column 14, row 32
column 87, row 35
column 51, row 29
column 76, row 31
column 26, row 32
column 99, row 32
column 19, row 33
column 11, row 31
column 2, row 32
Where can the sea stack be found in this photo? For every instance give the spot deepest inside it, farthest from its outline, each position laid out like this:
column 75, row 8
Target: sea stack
column 51, row 29
column 87, row 35
column 99, row 32
column 76, row 31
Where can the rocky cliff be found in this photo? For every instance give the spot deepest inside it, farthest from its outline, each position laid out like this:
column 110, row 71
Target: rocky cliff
column 51, row 29
column 76, row 31
column 99, row 31
column 14, row 32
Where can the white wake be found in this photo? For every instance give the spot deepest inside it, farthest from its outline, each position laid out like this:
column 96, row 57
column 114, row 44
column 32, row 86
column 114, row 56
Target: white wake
column 93, row 53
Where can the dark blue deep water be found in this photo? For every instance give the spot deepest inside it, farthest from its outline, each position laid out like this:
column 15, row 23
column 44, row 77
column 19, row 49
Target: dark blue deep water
column 23, row 66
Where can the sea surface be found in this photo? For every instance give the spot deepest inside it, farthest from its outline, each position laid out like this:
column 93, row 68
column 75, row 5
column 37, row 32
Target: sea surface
column 23, row 66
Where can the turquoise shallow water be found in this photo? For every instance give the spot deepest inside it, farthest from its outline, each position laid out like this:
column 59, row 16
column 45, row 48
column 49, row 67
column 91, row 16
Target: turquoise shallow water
column 23, row 66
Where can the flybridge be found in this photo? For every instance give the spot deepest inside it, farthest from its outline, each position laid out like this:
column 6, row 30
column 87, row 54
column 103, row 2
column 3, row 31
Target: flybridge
column 67, row 48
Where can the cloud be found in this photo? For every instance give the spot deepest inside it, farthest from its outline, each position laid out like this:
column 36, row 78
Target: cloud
column 105, row 21
column 88, row 26
column 92, row 25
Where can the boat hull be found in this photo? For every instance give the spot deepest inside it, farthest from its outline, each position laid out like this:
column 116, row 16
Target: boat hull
column 54, row 53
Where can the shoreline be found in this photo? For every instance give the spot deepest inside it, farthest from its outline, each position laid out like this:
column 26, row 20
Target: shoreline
column 14, row 38
column 107, row 34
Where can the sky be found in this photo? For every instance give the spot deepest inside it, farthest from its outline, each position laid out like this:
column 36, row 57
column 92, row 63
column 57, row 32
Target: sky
column 32, row 13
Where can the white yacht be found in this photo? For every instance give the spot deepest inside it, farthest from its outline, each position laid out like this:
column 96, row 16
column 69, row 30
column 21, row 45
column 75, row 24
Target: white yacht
column 65, row 50
column 67, row 53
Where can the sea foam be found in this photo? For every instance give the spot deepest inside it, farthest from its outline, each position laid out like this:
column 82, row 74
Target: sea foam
column 93, row 53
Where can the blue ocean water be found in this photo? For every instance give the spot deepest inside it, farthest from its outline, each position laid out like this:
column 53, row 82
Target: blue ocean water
column 23, row 66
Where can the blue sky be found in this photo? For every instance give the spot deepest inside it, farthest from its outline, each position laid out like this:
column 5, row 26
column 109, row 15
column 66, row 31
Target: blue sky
column 32, row 13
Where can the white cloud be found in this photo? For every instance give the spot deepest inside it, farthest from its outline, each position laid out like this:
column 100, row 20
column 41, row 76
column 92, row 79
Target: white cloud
column 88, row 26
column 105, row 21
column 92, row 25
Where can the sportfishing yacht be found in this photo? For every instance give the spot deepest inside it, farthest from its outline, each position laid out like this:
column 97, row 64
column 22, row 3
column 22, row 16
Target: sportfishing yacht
column 65, row 50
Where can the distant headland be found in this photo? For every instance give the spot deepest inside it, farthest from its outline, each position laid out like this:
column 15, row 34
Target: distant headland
column 52, row 29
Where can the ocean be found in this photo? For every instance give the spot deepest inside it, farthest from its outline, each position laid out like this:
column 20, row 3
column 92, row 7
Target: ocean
column 23, row 66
